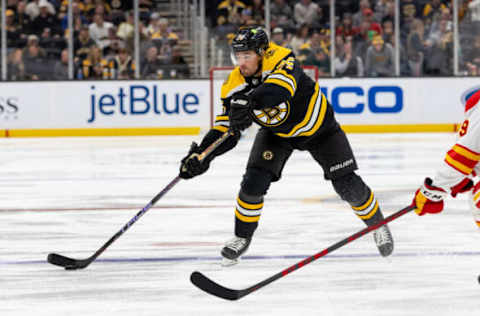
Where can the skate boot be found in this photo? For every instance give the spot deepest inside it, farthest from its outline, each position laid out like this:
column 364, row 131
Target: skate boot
column 233, row 249
column 384, row 240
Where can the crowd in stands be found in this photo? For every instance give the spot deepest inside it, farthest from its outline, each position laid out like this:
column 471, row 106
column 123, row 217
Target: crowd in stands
column 103, row 37
column 364, row 34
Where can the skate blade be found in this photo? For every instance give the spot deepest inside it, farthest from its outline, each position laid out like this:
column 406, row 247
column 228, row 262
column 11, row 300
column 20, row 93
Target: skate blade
column 229, row 262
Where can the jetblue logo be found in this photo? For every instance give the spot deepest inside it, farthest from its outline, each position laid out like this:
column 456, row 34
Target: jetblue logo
column 467, row 94
column 141, row 100
column 366, row 98
column 9, row 108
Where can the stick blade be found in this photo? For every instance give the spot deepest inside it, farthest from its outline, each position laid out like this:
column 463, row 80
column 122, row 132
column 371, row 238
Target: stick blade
column 207, row 285
column 65, row 262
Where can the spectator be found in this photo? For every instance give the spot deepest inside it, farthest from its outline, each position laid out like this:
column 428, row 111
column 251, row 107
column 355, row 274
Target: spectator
column 358, row 16
column 432, row 10
column 278, row 37
column 439, row 51
column 82, row 44
column 121, row 66
column 315, row 53
column 380, row 59
column 126, row 28
column 163, row 38
column 114, row 44
column 409, row 10
column 33, row 8
column 246, row 18
column 388, row 32
column 60, row 70
column 231, row 10
column 99, row 31
column 472, row 58
column 22, row 20
column 346, row 63
column 16, row 67
column 45, row 20
column 34, row 60
column 77, row 14
column 382, row 10
column 372, row 25
column 178, row 65
column 94, row 66
column 300, row 38
column 415, row 47
column 306, row 12
column 13, row 31
column 346, row 26
column 151, row 64
column 280, row 8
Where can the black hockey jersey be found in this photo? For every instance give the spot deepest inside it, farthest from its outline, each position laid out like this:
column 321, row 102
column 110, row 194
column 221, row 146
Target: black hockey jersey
column 285, row 99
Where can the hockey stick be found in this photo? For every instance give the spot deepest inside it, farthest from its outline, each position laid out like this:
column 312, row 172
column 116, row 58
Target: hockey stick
column 73, row 264
column 209, row 286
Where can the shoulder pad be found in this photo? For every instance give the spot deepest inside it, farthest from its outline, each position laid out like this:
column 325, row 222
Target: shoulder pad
column 234, row 83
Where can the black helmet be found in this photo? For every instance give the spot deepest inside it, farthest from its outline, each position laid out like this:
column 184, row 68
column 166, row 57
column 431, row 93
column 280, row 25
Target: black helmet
column 250, row 38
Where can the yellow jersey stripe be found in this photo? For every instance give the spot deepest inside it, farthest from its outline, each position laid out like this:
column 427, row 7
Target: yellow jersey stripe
column 319, row 120
column 248, row 219
column 283, row 72
column 281, row 83
column 365, row 205
column 222, row 118
column 249, row 206
column 311, row 106
column 220, row 128
column 466, row 153
column 457, row 165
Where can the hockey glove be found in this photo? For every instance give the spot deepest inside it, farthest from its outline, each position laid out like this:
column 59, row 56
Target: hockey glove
column 464, row 186
column 190, row 166
column 239, row 114
column 428, row 198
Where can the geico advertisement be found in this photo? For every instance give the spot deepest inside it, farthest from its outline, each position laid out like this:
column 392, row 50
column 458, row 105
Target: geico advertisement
column 105, row 104
column 397, row 101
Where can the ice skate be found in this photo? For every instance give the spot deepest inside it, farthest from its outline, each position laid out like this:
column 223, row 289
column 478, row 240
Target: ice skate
column 233, row 249
column 384, row 240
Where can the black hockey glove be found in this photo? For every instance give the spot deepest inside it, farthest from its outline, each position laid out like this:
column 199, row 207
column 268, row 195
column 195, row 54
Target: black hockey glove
column 190, row 166
column 239, row 114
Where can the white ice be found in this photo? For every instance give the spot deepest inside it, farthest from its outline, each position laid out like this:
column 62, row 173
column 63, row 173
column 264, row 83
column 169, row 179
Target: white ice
column 70, row 195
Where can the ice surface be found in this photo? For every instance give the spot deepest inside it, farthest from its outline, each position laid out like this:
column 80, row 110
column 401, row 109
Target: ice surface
column 70, row 195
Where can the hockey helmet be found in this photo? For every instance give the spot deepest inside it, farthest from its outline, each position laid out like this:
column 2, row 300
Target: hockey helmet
column 250, row 38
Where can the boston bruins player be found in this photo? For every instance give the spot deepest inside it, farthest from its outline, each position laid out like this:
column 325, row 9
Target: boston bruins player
column 270, row 88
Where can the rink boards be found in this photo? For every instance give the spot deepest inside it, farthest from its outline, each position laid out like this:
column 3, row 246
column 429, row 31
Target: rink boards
column 110, row 108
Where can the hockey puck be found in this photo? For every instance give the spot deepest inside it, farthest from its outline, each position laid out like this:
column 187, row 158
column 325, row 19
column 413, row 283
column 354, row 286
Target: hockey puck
column 478, row 279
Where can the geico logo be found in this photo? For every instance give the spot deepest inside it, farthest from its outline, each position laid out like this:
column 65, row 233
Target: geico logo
column 141, row 100
column 8, row 106
column 357, row 97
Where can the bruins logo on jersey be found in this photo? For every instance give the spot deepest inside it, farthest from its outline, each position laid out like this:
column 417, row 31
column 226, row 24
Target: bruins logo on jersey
column 273, row 116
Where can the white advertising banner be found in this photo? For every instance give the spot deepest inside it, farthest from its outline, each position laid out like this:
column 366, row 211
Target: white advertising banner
column 103, row 104
column 130, row 104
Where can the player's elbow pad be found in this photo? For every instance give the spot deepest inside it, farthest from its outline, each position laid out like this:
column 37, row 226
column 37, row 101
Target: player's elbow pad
column 269, row 95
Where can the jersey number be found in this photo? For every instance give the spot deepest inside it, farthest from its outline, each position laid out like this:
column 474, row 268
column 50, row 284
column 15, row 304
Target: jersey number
column 463, row 128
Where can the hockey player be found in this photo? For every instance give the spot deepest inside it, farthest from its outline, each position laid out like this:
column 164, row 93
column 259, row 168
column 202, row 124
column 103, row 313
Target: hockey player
column 459, row 167
column 269, row 87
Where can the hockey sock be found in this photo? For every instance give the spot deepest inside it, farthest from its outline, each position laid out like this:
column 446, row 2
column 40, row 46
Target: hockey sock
column 247, row 214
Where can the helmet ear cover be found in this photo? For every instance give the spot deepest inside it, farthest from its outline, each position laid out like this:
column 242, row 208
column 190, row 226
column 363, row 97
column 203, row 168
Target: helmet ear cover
column 250, row 38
